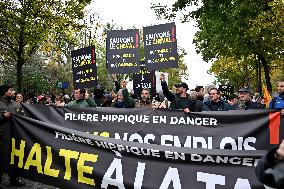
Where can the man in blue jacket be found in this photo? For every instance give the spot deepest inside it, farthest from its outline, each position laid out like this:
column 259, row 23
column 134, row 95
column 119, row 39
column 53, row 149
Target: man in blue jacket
column 278, row 101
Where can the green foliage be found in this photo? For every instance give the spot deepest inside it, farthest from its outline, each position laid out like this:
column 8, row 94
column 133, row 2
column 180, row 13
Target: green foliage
column 38, row 77
column 238, row 73
column 26, row 25
column 104, row 79
column 37, row 37
column 235, row 28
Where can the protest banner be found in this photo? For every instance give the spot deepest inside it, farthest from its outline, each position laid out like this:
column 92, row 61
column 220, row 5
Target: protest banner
column 140, row 148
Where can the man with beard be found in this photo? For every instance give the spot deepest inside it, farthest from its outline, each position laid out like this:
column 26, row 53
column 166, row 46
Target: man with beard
column 180, row 100
column 278, row 101
column 8, row 107
column 145, row 100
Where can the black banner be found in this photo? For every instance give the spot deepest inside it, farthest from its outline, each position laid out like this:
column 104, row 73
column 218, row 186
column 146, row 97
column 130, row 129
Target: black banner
column 160, row 46
column 123, row 51
column 237, row 130
column 158, row 148
column 144, row 79
column 84, row 68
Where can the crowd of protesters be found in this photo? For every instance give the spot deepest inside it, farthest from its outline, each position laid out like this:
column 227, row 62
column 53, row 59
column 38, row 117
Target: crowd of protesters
column 196, row 100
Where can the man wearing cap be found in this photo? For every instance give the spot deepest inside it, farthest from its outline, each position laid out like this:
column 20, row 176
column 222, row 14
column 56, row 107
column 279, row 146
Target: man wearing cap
column 278, row 101
column 8, row 107
column 180, row 100
column 200, row 92
column 245, row 100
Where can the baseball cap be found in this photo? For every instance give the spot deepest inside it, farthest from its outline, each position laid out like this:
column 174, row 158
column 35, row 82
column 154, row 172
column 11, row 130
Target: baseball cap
column 246, row 90
column 183, row 84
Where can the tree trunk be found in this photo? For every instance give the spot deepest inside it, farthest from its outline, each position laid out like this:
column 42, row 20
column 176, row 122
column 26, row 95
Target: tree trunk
column 20, row 64
column 266, row 70
column 258, row 75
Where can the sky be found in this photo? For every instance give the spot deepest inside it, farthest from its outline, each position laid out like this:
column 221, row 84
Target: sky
column 129, row 13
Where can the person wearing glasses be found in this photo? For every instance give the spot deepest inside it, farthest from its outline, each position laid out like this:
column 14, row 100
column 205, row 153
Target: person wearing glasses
column 215, row 102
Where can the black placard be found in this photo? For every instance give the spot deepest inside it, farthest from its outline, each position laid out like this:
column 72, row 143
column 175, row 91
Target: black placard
column 160, row 46
column 226, row 90
column 84, row 67
column 144, row 79
column 123, row 51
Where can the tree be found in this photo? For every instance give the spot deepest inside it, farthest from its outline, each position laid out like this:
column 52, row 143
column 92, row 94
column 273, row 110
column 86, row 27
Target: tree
column 235, row 28
column 238, row 73
column 38, row 77
column 25, row 25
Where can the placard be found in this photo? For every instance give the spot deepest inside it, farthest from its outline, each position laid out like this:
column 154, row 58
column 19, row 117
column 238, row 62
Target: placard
column 160, row 46
column 123, row 51
column 84, row 68
column 144, row 79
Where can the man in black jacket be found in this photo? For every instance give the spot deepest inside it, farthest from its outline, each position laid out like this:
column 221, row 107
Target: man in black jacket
column 200, row 93
column 180, row 100
column 245, row 100
column 270, row 168
column 8, row 107
column 216, row 103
